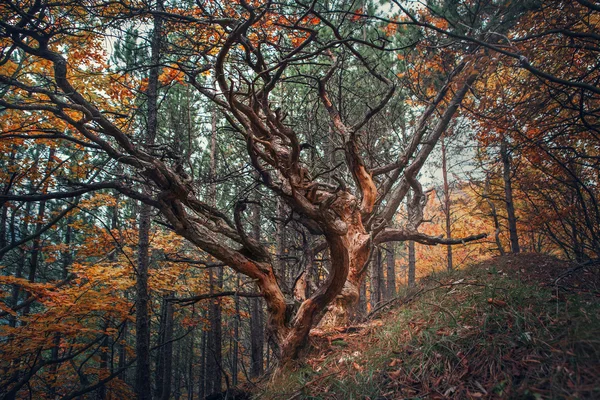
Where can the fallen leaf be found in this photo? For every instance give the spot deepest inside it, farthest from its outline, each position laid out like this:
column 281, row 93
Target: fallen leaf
column 497, row 303
column 395, row 374
column 394, row 362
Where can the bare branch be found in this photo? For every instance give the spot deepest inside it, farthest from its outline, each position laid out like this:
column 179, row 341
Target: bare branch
column 401, row 235
column 194, row 299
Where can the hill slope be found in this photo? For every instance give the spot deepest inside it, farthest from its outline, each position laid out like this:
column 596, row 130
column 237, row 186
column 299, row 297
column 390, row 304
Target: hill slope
column 520, row 327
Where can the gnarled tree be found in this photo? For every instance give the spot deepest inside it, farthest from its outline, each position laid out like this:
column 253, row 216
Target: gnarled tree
column 252, row 52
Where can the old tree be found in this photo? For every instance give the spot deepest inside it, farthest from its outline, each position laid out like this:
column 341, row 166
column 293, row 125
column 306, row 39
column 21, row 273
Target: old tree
column 335, row 180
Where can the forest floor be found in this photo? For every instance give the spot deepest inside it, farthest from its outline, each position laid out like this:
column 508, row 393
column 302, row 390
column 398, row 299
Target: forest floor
column 515, row 327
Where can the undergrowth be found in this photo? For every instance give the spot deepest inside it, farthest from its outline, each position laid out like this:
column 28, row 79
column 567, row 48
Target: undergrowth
column 482, row 332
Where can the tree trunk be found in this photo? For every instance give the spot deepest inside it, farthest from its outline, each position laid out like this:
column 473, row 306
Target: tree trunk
column 257, row 330
column 494, row 215
column 362, row 301
column 310, row 310
column 190, row 366
column 357, row 250
column 67, row 259
column 256, row 338
column 165, row 354
column 214, row 360
column 103, row 364
column 202, row 374
column 122, row 352
column 510, row 207
column 214, row 345
column 16, row 289
column 142, row 322
column 390, row 292
column 142, row 317
column 236, row 336
column 412, row 265
column 376, row 278
column 446, row 204
column 37, row 242
column 3, row 220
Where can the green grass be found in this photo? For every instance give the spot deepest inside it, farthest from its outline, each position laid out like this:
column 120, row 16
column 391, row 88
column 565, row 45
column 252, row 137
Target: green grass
column 452, row 343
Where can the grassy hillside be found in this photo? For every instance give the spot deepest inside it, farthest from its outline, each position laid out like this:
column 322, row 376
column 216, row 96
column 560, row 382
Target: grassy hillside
column 519, row 327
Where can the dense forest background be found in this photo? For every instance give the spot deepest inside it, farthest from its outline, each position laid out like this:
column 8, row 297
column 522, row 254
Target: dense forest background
column 188, row 187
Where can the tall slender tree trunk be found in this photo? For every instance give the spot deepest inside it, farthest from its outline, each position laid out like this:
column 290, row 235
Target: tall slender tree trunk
column 3, row 220
column 143, row 381
column 390, row 291
column 494, row 214
column 37, row 242
column 101, row 392
column 164, row 363
column 122, row 352
column 190, row 367
column 508, row 194
column 376, row 278
column 202, row 374
column 446, row 204
column 257, row 330
column 122, row 343
column 362, row 301
column 16, row 290
column 412, row 264
column 4, row 214
column 214, row 346
column 142, row 320
column 214, row 341
column 67, row 260
column 236, row 336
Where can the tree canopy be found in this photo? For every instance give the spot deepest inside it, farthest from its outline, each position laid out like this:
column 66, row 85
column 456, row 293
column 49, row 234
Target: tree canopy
column 160, row 153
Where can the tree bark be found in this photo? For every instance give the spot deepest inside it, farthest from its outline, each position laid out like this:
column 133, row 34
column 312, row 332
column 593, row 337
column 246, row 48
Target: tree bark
column 3, row 219
column 165, row 353
column 446, row 204
column 202, row 373
column 508, row 193
column 16, row 289
column 412, row 265
column 376, row 278
column 101, row 392
column 214, row 360
column 236, row 336
column 256, row 338
column 142, row 317
column 143, row 377
column 37, row 242
column 257, row 330
column 362, row 300
column 190, row 366
column 494, row 215
column 279, row 263
column 390, row 292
